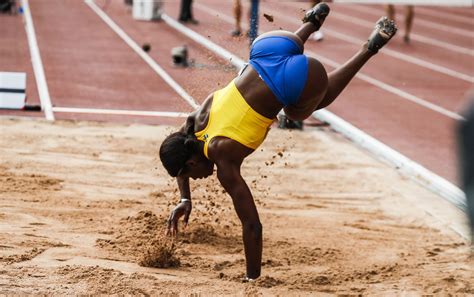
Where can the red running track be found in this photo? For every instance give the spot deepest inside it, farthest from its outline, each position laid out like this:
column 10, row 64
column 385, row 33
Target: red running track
column 88, row 66
column 15, row 57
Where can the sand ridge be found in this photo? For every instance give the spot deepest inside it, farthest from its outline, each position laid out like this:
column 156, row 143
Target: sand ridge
column 83, row 202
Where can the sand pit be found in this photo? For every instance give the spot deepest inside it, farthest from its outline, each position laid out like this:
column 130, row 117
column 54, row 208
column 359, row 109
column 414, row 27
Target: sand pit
column 84, row 205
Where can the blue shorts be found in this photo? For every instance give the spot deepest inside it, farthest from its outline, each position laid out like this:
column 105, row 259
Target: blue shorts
column 280, row 62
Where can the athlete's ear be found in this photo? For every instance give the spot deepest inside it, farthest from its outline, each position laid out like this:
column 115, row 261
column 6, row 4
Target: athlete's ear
column 191, row 162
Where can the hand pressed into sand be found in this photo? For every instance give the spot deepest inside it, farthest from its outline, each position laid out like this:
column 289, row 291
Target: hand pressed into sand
column 182, row 209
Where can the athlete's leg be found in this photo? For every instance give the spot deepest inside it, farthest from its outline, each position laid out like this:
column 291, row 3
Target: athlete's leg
column 313, row 20
column 237, row 17
column 340, row 78
column 409, row 15
column 390, row 9
column 322, row 90
column 305, row 30
column 384, row 30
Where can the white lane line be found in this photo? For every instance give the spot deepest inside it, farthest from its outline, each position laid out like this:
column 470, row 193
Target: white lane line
column 222, row 52
column 418, row 21
column 414, row 36
column 144, row 113
column 440, row 27
column 446, row 15
column 449, row 30
column 394, row 90
column 38, row 69
column 160, row 71
column 415, row 171
column 392, row 53
column 443, row 45
column 409, row 59
column 366, row 78
column 418, row 173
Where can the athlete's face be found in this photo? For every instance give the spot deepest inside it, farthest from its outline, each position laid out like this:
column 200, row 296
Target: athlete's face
column 197, row 168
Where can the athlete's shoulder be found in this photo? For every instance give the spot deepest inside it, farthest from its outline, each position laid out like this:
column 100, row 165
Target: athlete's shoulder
column 201, row 116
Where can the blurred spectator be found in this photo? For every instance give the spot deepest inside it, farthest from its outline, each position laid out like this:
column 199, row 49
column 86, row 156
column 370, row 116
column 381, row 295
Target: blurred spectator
column 186, row 13
column 253, row 32
column 253, row 19
column 409, row 15
column 466, row 147
column 237, row 16
column 8, row 6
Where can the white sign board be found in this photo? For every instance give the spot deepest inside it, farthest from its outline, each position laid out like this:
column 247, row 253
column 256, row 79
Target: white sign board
column 146, row 10
column 468, row 3
column 12, row 90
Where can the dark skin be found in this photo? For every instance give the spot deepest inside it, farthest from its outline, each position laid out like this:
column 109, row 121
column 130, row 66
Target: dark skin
column 227, row 155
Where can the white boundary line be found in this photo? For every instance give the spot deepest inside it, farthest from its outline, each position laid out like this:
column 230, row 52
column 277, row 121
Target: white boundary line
column 38, row 69
column 220, row 51
column 428, row 24
column 443, row 45
column 447, row 15
column 169, row 114
column 418, row 173
column 427, row 178
column 129, row 41
column 447, row 29
column 366, row 78
column 408, row 58
column 414, row 36
column 392, row 53
column 394, row 90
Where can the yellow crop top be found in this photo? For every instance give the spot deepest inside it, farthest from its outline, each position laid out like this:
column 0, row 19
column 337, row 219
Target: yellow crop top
column 231, row 116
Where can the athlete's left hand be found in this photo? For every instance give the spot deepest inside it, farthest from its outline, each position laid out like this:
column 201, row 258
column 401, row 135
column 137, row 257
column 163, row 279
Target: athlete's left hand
column 182, row 209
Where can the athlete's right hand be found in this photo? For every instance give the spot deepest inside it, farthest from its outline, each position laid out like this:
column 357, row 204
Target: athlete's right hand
column 182, row 209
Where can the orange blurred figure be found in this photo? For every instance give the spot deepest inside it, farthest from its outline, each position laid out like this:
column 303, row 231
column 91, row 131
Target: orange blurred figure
column 409, row 15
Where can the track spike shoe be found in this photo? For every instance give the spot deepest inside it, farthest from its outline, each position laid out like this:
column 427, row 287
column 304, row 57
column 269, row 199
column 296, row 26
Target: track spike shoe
column 384, row 30
column 317, row 15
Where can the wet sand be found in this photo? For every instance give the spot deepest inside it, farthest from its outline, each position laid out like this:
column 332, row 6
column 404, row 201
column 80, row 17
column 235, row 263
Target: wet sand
column 83, row 206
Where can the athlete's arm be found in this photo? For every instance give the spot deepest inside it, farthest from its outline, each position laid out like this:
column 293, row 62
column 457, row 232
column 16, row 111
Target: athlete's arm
column 185, row 206
column 182, row 209
column 228, row 173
